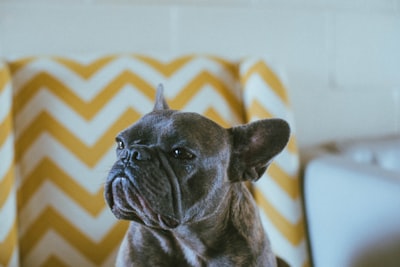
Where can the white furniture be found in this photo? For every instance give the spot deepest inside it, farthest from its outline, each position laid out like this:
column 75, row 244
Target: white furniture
column 352, row 200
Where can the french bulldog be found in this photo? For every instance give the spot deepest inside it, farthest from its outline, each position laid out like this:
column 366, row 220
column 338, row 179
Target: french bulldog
column 180, row 179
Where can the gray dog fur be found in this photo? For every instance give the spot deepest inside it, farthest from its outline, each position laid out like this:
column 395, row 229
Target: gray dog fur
column 179, row 179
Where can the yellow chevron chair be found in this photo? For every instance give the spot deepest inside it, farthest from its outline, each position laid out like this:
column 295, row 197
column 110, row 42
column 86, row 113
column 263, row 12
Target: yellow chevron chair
column 58, row 119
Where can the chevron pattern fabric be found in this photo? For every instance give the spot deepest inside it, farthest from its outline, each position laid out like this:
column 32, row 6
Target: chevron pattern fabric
column 58, row 143
column 278, row 192
column 8, row 206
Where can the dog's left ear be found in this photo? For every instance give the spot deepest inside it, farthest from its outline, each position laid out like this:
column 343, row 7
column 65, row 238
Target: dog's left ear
column 160, row 104
column 254, row 146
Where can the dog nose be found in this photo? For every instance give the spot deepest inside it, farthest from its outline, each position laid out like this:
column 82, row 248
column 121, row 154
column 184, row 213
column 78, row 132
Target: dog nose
column 135, row 154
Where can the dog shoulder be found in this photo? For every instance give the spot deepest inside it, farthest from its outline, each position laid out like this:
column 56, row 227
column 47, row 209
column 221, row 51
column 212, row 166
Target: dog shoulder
column 245, row 216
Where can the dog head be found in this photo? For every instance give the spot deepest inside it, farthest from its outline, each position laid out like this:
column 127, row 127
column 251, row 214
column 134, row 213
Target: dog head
column 174, row 167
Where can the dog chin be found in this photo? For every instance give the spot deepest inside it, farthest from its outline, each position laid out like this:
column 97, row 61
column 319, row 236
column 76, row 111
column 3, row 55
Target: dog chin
column 127, row 204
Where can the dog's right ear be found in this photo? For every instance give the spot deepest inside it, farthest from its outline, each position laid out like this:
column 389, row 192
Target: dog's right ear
column 254, row 146
column 160, row 104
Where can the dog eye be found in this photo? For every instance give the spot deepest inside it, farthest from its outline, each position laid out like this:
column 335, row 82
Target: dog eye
column 120, row 144
column 182, row 154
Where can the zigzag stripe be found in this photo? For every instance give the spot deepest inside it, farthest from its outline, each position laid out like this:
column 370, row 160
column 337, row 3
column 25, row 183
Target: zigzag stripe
column 83, row 88
column 47, row 170
column 293, row 233
column 35, row 153
column 82, row 70
column 111, row 112
column 16, row 65
column 88, row 131
column 89, row 109
column 259, row 110
column 9, row 238
column 212, row 114
column 269, row 77
column 88, row 154
column 53, row 261
column 85, row 70
column 4, row 77
column 50, row 195
column 46, row 123
column 6, row 128
column 279, row 198
column 294, row 255
column 6, row 185
column 86, row 109
column 47, row 147
column 5, row 113
column 289, row 183
column 50, row 170
column 108, row 73
column 50, row 219
column 288, row 162
column 232, row 68
column 8, row 215
column 52, row 248
column 167, row 69
column 268, row 100
column 195, row 85
column 5, row 104
column 8, row 246
column 176, row 84
column 201, row 104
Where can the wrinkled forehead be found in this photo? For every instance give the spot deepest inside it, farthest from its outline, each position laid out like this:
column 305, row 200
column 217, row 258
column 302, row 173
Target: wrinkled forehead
column 196, row 127
column 177, row 126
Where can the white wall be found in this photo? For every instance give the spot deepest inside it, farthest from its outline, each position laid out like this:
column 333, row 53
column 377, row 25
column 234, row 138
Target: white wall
column 342, row 57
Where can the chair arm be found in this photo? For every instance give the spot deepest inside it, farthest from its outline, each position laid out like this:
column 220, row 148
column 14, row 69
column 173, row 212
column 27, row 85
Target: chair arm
column 351, row 209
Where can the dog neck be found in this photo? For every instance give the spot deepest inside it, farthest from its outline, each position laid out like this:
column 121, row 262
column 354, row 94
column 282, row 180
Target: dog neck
column 209, row 238
column 232, row 235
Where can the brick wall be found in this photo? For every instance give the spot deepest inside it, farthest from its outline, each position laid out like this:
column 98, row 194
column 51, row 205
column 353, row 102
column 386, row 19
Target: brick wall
column 341, row 58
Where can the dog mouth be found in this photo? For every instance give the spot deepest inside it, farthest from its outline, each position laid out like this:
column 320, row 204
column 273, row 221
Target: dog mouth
column 127, row 203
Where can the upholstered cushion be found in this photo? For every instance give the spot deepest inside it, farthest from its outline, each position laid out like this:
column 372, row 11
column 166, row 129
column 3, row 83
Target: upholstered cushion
column 66, row 114
column 8, row 208
column 278, row 192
